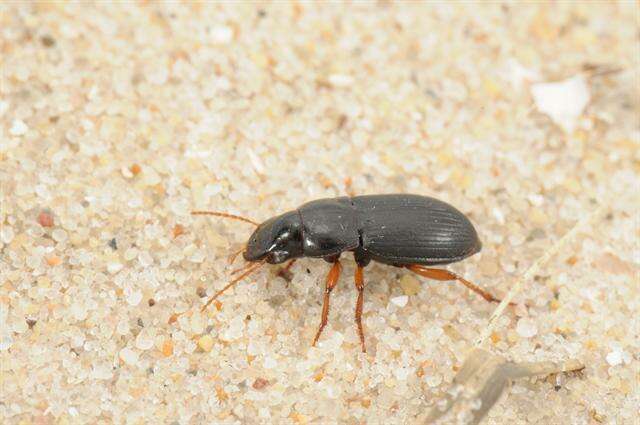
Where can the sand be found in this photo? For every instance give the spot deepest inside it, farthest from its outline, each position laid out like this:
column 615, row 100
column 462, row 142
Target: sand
column 119, row 119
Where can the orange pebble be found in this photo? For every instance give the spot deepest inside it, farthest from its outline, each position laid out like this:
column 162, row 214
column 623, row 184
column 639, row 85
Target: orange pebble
column 135, row 169
column 167, row 348
column 222, row 395
column 53, row 260
column 178, row 230
column 260, row 383
column 45, row 219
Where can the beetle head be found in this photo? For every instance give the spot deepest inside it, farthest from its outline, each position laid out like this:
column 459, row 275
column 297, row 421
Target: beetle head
column 276, row 240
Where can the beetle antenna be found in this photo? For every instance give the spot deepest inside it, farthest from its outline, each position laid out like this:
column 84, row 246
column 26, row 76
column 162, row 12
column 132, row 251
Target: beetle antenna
column 250, row 270
column 241, row 269
column 233, row 256
column 225, row 215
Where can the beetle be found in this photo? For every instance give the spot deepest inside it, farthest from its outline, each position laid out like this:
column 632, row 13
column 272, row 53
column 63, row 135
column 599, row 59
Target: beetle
column 401, row 230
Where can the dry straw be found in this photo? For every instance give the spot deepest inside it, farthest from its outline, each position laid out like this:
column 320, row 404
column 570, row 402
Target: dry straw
column 484, row 376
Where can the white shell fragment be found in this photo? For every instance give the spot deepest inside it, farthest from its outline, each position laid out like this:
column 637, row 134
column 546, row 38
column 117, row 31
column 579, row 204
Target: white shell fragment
column 526, row 328
column 563, row 101
column 614, row 358
column 18, row 128
column 400, row 301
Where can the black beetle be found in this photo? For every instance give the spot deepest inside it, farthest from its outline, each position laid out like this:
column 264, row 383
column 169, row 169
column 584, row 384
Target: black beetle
column 401, row 230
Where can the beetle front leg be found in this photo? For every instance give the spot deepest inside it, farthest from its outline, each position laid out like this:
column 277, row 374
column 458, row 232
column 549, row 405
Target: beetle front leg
column 440, row 274
column 332, row 279
column 285, row 272
column 359, row 281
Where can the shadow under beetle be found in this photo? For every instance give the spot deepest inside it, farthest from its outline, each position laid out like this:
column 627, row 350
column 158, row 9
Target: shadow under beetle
column 401, row 230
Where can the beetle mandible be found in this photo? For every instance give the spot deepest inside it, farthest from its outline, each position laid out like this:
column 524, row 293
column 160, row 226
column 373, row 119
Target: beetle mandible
column 400, row 230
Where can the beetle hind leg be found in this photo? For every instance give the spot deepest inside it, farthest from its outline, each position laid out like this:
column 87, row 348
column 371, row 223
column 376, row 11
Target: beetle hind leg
column 332, row 280
column 446, row 275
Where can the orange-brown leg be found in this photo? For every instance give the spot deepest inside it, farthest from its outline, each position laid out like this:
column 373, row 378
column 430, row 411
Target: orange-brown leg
column 359, row 281
column 289, row 264
column 285, row 272
column 332, row 279
column 440, row 274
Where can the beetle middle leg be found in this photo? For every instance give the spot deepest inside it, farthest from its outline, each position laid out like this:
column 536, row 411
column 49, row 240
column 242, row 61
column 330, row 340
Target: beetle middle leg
column 441, row 274
column 332, row 279
column 359, row 281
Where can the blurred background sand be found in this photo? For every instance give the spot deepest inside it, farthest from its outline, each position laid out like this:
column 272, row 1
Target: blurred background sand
column 118, row 119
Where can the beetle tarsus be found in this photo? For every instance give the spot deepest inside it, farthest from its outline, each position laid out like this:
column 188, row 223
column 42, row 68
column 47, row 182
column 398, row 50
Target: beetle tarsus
column 332, row 280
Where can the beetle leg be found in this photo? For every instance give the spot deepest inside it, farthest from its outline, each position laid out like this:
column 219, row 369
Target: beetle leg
column 289, row 264
column 332, row 279
column 440, row 274
column 285, row 272
column 359, row 281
